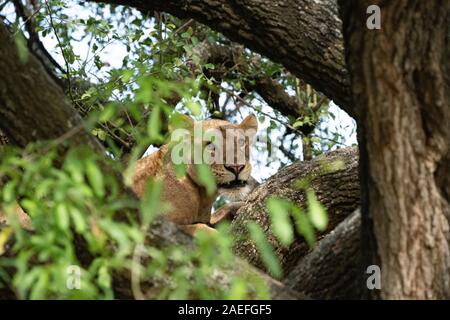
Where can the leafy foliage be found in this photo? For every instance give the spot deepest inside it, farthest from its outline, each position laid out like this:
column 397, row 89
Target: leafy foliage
column 75, row 201
column 158, row 69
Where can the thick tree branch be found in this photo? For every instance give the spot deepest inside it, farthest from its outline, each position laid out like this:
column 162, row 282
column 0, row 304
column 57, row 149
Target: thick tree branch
column 338, row 190
column 35, row 44
column 231, row 59
column 33, row 107
column 332, row 270
column 304, row 36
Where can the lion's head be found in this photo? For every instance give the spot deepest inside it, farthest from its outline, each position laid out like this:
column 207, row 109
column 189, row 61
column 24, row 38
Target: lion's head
column 225, row 147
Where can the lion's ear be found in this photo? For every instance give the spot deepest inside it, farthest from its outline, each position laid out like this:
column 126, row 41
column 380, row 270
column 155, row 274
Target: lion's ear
column 180, row 121
column 249, row 123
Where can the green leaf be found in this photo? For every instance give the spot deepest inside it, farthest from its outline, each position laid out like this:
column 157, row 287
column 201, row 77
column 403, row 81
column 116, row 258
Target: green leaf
column 194, row 107
column 180, row 170
column 77, row 219
column 62, row 216
column 298, row 124
column 127, row 74
column 238, row 290
column 108, row 113
column 101, row 134
column 316, row 211
column 116, row 232
column 43, row 188
column 104, row 278
column 21, row 45
column 281, row 222
column 29, row 206
column 150, row 204
column 95, row 178
column 303, row 225
column 154, row 125
column 74, row 166
column 206, row 178
column 268, row 256
column 40, row 288
column 9, row 191
column 180, row 121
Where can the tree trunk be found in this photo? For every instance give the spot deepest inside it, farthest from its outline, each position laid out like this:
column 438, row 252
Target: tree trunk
column 400, row 83
column 33, row 107
column 306, row 37
column 337, row 190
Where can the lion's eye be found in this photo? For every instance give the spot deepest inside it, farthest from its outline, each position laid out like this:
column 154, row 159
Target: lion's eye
column 210, row 146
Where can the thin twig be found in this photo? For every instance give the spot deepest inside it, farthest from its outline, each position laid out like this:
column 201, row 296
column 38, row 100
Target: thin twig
column 279, row 121
column 330, row 139
column 318, row 105
column 184, row 26
column 27, row 20
column 69, row 80
column 3, row 4
column 265, row 114
column 125, row 144
column 83, row 65
column 59, row 140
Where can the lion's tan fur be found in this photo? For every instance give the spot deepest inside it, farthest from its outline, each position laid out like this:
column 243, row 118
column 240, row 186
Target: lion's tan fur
column 190, row 204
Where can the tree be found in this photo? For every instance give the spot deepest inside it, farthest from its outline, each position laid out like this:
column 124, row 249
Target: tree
column 60, row 121
column 314, row 55
column 42, row 110
column 396, row 86
column 404, row 58
column 401, row 86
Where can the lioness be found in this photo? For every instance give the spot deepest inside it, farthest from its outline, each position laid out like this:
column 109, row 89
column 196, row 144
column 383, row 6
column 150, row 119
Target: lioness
column 229, row 164
column 189, row 201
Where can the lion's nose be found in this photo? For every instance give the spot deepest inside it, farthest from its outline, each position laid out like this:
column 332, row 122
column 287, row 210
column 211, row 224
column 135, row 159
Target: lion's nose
column 236, row 169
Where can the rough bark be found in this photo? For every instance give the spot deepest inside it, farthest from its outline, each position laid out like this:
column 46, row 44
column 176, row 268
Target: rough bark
column 35, row 44
column 337, row 190
column 33, row 107
column 231, row 59
column 332, row 269
column 400, row 82
column 164, row 234
column 304, row 36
